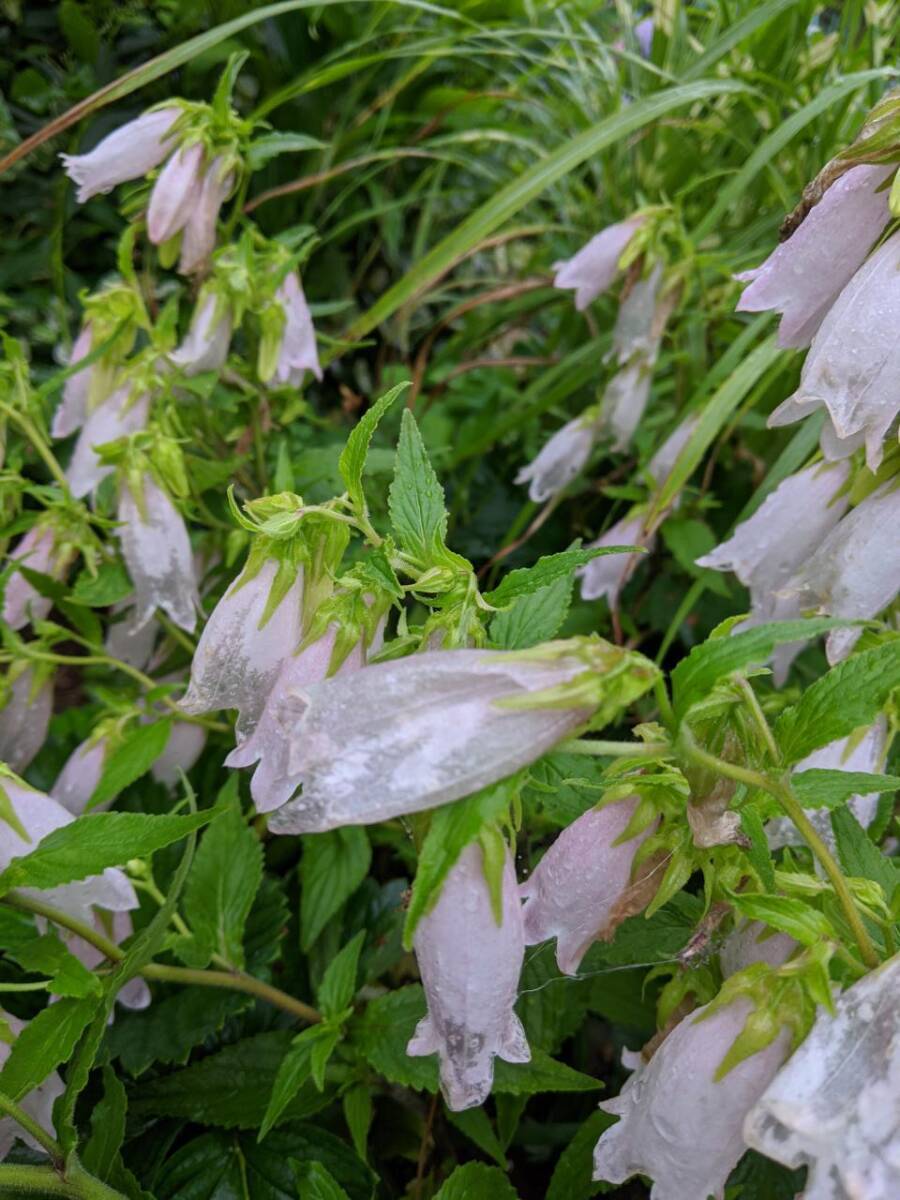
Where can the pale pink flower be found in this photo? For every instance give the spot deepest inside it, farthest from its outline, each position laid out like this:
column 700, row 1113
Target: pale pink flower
column 205, row 347
column 679, row 1124
column 239, row 654
column 117, row 926
column 594, row 267
column 583, row 887
column 625, row 399
column 157, row 552
column 114, row 418
column 606, row 575
column 634, row 332
column 803, row 276
column 184, row 747
column 855, row 570
column 175, row 194
column 853, row 368
column 663, row 461
column 753, row 942
column 297, row 352
column 560, row 459
column 78, row 779
column 130, row 642
column 72, row 411
column 127, row 153
column 38, row 1103
column 643, row 33
column 406, row 735
column 834, row 1105
column 24, row 719
column 38, row 551
column 199, row 237
column 470, row 968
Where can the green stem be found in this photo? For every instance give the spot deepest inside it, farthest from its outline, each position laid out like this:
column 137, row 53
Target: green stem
column 782, row 792
column 760, row 718
column 28, row 1123
column 39, row 444
column 600, row 749
column 665, row 704
column 237, row 981
column 75, row 1183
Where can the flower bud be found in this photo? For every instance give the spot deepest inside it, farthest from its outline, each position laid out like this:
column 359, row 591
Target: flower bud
column 606, row 575
column 833, row 1106
column 680, row 1124
column 625, row 399
column 157, row 552
column 594, row 267
column 128, row 153
column 114, row 418
column 27, row 702
column 175, row 194
column 804, row 275
column 560, row 459
column 297, row 350
column 72, row 411
column 40, row 550
column 205, row 348
column 81, row 773
column 38, row 1103
column 634, row 331
column 583, row 887
column 470, row 965
column 199, row 238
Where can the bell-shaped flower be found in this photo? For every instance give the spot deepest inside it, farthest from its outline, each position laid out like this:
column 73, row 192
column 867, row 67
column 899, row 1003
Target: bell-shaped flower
column 176, row 194
column 606, row 575
column 679, row 1124
column 26, row 818
column 595, row 266
column 560, row 459
column 853, row 368
column 39, row 550
column 753, row 942
column 81, row 772
column 127, row 153
column 116, row 417
column 855, row 570
column 129, row 641
column 72, row 411
column 833, row 1107
column 116, row 926
column 184, row 747
column 199, row 237
column 765, row 550
column 205, row 347
column 625, row 399
column 470, row 965
column 297, row 350
column 157, row 552
column 38, row 1103
column 586, row 885
column 635, row 330
column 643, row 33
column 27, row 703
column 863, row 751
column 406, row 735
column 250, row 632
column 662, row 462
column 803, row 276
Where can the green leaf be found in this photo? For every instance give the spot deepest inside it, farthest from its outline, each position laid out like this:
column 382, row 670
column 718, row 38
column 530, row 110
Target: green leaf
column 572, row 1175
column 101, row 1151
column 542, row 1074
column 416, row 498
column 46, row 1041
column 696, row 675
column 849, row 696
column 533, row 619
column 859, row 855
column 787, row 914
column 130, row 759
column 822, row 788
column 94, row 842
column 357, row 1103
column 314, row 1182
column 293, row 1072
column 338, row 985
column 476, row 1125
column 547, row 570
column 168, row 1030
column 111, row 584
column 352, row 462
column 759, row 853
column 220, row 890
column 48, row 956
column 453, row 827
column 333, row 866
column 475, row 1181
column 270, row 145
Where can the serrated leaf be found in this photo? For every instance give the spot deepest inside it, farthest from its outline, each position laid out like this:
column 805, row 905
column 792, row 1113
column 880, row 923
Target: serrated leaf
column 416, row 498
column 293, row 1072
column 171, row 1027
column 572, row 1177
column 110, row 585
column 333, row 866
column 820, row 787
column 476, row 1181
column 270, row 145
column 547, row 570
column 94, row 842
column 849, row 696
column 535, row 618
column 357, row 1104
column 101, row 1151
column 45, row 1042
column 48, row 956
column 314, row 1182
column 352, row 462
column 786, row 913
column 859, row 855
column 476, row 1125
column 338, row 984
column 131, row 759
column 759, row 853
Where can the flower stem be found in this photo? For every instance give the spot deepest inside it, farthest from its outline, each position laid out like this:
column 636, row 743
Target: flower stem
column 28, row 1123
column 38, row 442
column 598, row 749
column 237, row 981
column 76, row 1183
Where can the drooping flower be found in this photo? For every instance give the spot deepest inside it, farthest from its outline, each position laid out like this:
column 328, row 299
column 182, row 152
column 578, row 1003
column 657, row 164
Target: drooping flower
column 127, row 153
column 625, row 399
column 406, row 735
column 634, row 332
column 643, row 33
column 199, row 236
column 470, row 966
column 833, row 1106
column 121, row 414
column 863, row 751
column 175, row 194
column 117, row 926
column 41, row 550
column 679, row 1124
column 753, row 942
column 244, row 643
column 81, row 772
column 205, row 347
column 853, row 368
column 606, row 575
column 72, row 411
column 27, row 704
column 662, row 462
column 157, row 552
column 560, row 459
column 765, row 550
column 803, row 276
column 130, row 642
column 38, row 1103
column 594, row 267
column 297, row 350
column 583, row 887
column 855, row 570
column 184, row 747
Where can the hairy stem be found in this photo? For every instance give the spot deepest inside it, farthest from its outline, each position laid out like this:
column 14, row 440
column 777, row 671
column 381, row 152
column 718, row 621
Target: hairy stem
column 75, row 1183
column 598, row 749
column 31, row 432
column 28, row 1123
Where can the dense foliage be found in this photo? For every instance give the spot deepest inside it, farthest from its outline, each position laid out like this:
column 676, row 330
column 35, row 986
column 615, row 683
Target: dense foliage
column 374, row 804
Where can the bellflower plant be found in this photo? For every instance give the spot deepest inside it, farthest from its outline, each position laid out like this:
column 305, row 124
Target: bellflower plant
column 26, row 702
column 561, row 458
column 592, row 270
